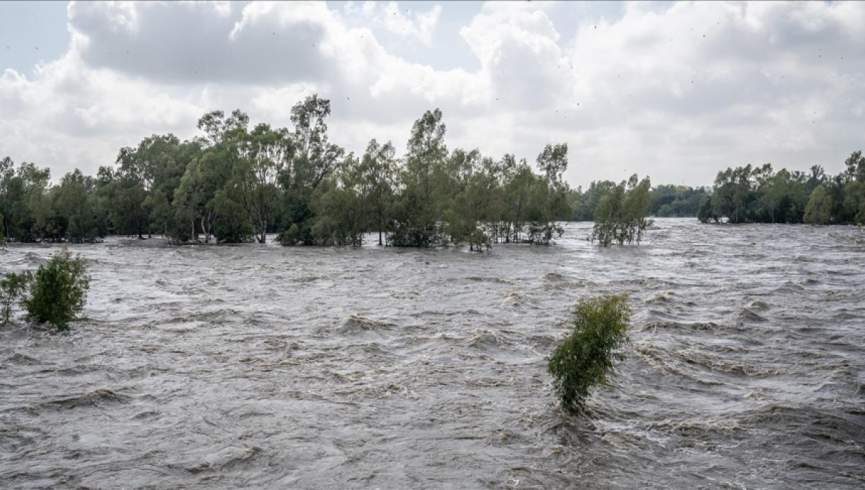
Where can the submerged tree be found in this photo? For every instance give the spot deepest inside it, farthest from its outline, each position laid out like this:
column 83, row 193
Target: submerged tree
column 58, row 291
column 314, row 158
column 75, row 211
column 25, row 201
column 264, row 153
column 621, row 214
column 417, row 210
column 759, row 194
column 550, row 195
column 13, row 287
column 379, row 175
column 706, row 212
column 585, row 357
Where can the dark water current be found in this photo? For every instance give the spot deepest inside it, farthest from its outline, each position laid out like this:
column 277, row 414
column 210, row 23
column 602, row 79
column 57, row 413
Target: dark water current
column 275, row 367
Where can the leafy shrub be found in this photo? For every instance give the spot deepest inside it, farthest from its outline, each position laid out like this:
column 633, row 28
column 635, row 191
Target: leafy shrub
column 12, row 289
column 585, row 357
column 544, row 233
column 59, row 290
column 406, row 235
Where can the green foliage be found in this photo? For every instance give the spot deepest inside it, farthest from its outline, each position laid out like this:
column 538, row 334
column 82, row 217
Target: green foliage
column 584, row 359
column 761, row 195
column 78, row 218
column 621, row 214
column 237, row 183
column 231, row 223
column 13, row 286
column 664, row 200
column 425, row 183
column 24, row 200
column 676, row 200
column 855, row 167
column 339, row 207
column 584, row 203
column 707, row 211
column 58, row 291
column 312, row 160
column 818, row 211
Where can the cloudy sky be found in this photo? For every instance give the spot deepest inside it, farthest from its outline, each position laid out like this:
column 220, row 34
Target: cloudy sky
column 676, row 91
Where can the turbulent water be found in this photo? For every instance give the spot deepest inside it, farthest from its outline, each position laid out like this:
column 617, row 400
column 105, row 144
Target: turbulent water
column 251, row 366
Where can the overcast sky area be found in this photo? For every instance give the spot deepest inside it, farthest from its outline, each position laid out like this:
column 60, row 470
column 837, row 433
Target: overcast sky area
column 676, row 91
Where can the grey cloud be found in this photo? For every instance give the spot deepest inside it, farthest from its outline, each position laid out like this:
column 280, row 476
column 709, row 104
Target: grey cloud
column 192, row 42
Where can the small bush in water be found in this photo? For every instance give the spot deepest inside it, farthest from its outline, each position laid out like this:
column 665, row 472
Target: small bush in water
column 585, row 357
column 12, row 289
column 59, row 290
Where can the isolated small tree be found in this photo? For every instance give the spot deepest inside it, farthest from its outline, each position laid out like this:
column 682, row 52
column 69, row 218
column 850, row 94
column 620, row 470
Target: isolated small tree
column 585, row 357
column 59, row 290
column 12, row 289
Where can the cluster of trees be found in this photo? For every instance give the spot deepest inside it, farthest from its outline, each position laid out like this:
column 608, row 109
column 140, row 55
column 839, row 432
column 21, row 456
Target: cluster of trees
column 752, row 194
column 620, row 216
column 238, row 183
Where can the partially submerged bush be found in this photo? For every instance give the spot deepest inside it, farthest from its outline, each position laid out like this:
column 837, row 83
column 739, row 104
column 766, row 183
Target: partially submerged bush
column 585, row 357
column 544, row 233
column 59, row 290
column 13, row 286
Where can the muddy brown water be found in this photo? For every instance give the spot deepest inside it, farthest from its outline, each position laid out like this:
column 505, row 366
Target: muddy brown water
column 269, row 367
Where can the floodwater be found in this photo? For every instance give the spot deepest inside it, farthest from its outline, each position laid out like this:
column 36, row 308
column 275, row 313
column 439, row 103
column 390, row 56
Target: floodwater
column 269, row 367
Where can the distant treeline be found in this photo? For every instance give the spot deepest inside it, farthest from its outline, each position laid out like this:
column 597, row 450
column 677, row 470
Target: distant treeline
column 237, row 183
column 762, row 195
column 665, row 201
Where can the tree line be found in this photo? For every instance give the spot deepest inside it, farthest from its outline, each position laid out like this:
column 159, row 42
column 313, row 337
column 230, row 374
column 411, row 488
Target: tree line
column 664, row 201
column 238, row 183
column 759, row 194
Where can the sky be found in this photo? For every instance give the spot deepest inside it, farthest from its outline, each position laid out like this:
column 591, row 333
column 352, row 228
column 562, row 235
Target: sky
column 676, row 91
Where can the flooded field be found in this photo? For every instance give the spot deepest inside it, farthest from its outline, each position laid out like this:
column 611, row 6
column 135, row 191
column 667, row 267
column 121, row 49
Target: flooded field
column 263, row 366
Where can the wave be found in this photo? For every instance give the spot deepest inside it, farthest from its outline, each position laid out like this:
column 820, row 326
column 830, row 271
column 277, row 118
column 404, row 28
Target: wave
column 356, row 324
column 90, row 399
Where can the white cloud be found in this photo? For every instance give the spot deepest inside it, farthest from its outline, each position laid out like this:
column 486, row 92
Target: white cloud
column 419, row 26
column 676, row 93
column 519, row 52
